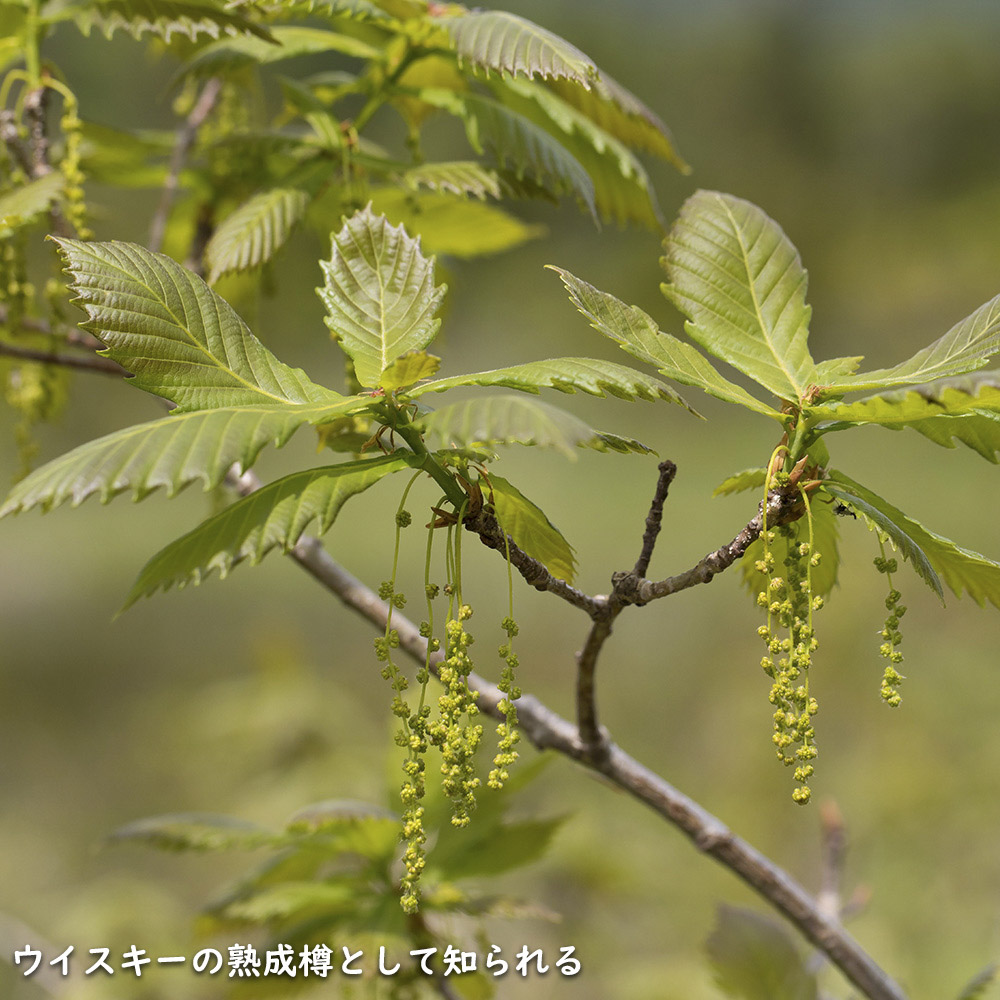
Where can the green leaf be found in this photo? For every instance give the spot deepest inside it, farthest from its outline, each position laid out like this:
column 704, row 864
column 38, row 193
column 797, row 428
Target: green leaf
column 409, row 369
column 636, row 332
column 180, row 340
column 531, row 530
column 738, row 279
column 620, row 113
column 379, row 294
column 965, row 347
column 825, row 542
column 312, row 900
column 255, row 232
column 517, row 140
column 748, row 479
column 171, row 452
column 621, row 186
column 276, row 515
column 754, row 958
column 126, row 159
column 454, row 226
column 491, row 850
column 597, row 378
column 930, row 554
column 500, row 42
column 507, row 420
column 164, row 18
column 193, row 832
column 966, row 409
column 287, row 42
column 26, row 203
column 464, row 177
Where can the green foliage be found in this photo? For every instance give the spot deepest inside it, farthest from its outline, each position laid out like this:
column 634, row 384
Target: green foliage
column 379, row 295
column 753, row 958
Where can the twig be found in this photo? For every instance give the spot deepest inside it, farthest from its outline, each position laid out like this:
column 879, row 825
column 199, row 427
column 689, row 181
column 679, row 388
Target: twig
column 834, row 849
column 655, row 517
column 92, row 363
column 548, row 731
column 186, row 135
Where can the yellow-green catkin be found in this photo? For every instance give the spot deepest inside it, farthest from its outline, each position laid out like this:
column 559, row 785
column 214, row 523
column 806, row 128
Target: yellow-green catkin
column 455, row 732
column 507, row 732
column 69, row 165
column 790, row 640
column 891, row 636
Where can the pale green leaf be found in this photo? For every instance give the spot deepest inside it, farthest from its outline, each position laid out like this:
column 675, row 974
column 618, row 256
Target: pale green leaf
column 490, row 850
column 597, row 378
column 823, row 577
column 456, row 177
column 500, row 42
column 287, row 42
column 193, row 832
column 26, row 203
column 379, row 294
column 508, row 420
column 409, row 369
column 164, row 18
column 829, row 371
column 965, row 408
column 179, row 339
column 171, row 452
column 619, row 112
column 622, row 192
column 748, row 479
column 312, row 900
column 754, row 958
column 252, row 234
column 275, row 516
column 737, row 278
column 126, row 159
column 454, row 226
column 516, row 140
column 636, row 332
column 362, row 10
column 531, row 530
column 931, row 555
column 964, row 348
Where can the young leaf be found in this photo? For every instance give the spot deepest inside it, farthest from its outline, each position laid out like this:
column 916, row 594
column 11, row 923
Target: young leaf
column 976, row 988
column 531, row 530
column 964, row 348
column 636, row 332
column 754, row 958
column 738, row 279
column 748, row 479
column 517, row 140
column 193, row 832
column 598, row 378
column 621, row 187
column 500, row 42
column 507, row 420
column 454, row 226
column 966, row 408
column 171, row 452
column 930, row 554
column 180, row 340
column 26, row 203
column 456, row 177
column 255, row 232
column 409, row 369
column 163, row 18
column 379, row 294
column 276, row 515
column 488, row 850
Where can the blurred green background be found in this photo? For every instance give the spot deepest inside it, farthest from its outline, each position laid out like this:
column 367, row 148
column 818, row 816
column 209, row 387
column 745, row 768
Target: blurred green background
column 870, row 131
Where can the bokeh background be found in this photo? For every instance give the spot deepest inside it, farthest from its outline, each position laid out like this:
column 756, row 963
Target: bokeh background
column 871, row 131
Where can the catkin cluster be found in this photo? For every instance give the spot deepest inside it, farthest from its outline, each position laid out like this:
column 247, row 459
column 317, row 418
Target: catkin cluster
column 891, row 636
column 790, row 640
